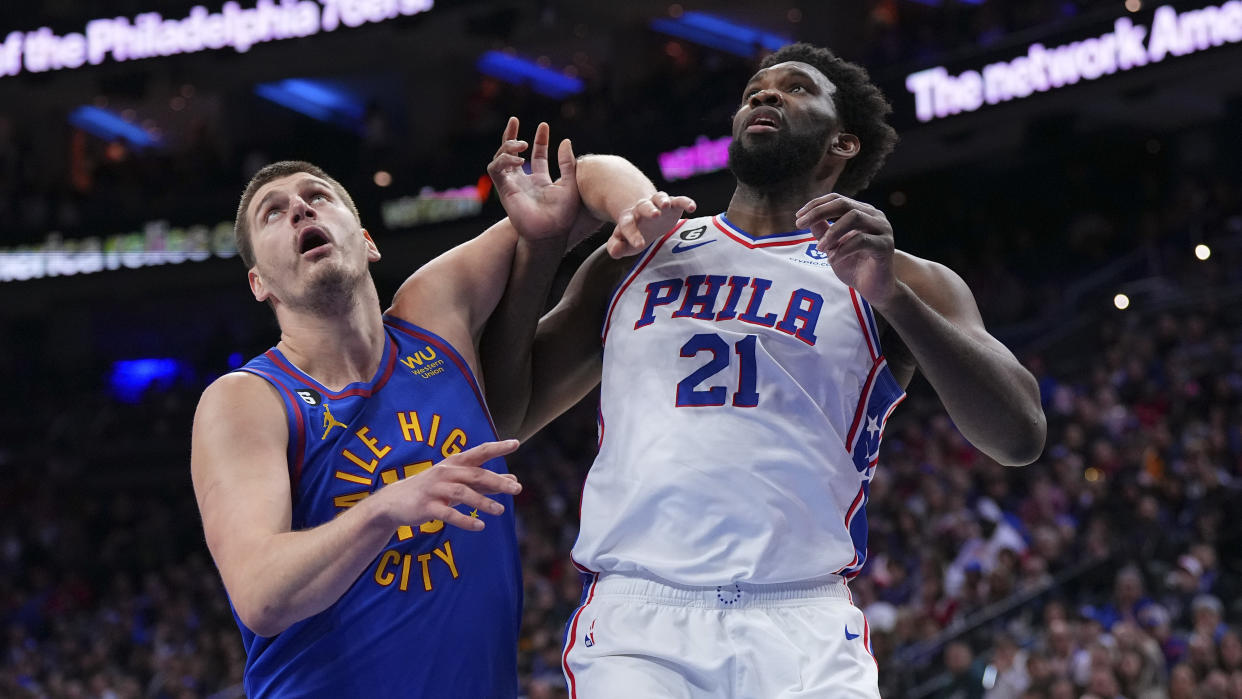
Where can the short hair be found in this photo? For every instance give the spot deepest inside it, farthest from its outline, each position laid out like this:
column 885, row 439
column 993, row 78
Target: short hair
column 275, row 171
column 863, row 109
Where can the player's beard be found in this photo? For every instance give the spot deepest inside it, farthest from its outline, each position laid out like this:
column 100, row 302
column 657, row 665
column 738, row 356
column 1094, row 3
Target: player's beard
column 331, row 290
column 767, row 163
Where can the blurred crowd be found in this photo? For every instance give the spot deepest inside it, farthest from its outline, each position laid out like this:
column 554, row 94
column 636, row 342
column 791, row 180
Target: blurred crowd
column 1111, row 567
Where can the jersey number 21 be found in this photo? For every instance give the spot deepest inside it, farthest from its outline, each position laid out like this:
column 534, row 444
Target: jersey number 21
column 746, row 396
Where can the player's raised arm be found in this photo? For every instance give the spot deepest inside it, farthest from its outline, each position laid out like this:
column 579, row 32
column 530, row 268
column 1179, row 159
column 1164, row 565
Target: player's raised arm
column 614, row 190
column 548, row 218
column 455, row 294
column 991, row 397
column 276, row 577
column 543, row 379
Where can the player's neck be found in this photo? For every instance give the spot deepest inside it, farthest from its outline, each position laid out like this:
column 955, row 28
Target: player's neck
column 770, row 211
column 340, row 348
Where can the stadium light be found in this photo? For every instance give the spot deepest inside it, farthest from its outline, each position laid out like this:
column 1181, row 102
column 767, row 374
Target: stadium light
column 131, row 377
column 719, row 33
column 1121, row 301
column 520, row 71
column 111, row 127
column 1202, row 251
column 317, row 100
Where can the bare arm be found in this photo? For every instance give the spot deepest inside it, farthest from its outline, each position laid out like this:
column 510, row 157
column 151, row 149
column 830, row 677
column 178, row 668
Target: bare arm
column 614, row 190
column 536, row 377
column 454, row 294
column 276, row 577
column 548, row 216
column 991, row 397
column 567, row 357
column 507, row 343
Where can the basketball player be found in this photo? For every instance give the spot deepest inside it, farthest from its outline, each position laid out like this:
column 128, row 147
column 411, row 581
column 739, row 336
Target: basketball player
column 750, row 361
column 344, row 476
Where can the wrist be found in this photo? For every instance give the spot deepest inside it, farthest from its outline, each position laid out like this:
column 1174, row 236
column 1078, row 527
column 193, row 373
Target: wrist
column 545, row 246
column 898, row 299
column 378, row 512
column 583, row 227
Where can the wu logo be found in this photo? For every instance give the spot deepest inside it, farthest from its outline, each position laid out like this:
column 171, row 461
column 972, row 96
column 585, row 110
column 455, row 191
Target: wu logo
column 814, row 252
column 329, row 422
column 420, row 357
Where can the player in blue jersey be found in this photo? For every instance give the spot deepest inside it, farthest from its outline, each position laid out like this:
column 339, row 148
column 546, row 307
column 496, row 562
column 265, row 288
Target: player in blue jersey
column 350, row 480
column 749, row 363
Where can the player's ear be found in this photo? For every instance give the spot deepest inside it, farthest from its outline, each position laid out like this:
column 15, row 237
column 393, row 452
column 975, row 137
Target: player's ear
column 257, row 287
column 373, row 253
column 845, row 145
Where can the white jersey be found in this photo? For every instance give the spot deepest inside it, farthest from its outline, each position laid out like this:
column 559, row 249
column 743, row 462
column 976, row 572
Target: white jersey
column 743, row 400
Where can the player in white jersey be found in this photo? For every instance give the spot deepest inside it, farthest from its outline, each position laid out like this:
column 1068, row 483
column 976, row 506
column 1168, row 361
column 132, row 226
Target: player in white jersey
column 750, row 361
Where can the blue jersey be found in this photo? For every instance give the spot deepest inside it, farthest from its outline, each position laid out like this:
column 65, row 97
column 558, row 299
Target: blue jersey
column 436, row 614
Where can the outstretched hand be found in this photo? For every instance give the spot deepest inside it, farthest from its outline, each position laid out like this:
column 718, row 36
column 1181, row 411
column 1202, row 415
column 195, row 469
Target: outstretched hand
column 538, row 207
column 859, row 241
column 647, row 220
column 458, row 480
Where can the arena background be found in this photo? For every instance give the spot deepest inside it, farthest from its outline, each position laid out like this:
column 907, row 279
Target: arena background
column 1110, row 567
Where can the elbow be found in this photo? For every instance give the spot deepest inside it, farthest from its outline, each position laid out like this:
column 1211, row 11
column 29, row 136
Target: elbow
column 261, row 618
column 1027, row 440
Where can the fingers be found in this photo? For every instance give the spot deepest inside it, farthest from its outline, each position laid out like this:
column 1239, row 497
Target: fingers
column 509, row 146
column 648, row 208
column 567, row 162
column 855, row 244
column 451, row 516
column 830, row 207
column 626, row 238
column 684, row 203
column 654, row 207
column 622, row 244
column 453, row 494
column 511, row 130
column 470, row 486
column 847, row 226
column 539, row 155
column 502, row 163
column 661, row 202
column 478, row 455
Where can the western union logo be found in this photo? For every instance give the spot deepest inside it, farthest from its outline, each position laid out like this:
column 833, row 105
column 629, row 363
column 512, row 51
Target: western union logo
column 424, row 363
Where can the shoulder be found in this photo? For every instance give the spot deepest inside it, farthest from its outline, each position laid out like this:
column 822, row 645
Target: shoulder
column 239, row 427
column 422, row 303
column 913, row 269
column 238, row 399
column 938, row 286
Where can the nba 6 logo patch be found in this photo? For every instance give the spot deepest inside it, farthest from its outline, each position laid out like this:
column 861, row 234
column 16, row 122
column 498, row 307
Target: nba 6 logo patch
column 693, row 233
column 309, row 396
column 690, row 235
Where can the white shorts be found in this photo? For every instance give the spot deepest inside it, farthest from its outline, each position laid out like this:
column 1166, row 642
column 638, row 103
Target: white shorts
column 634, row 637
